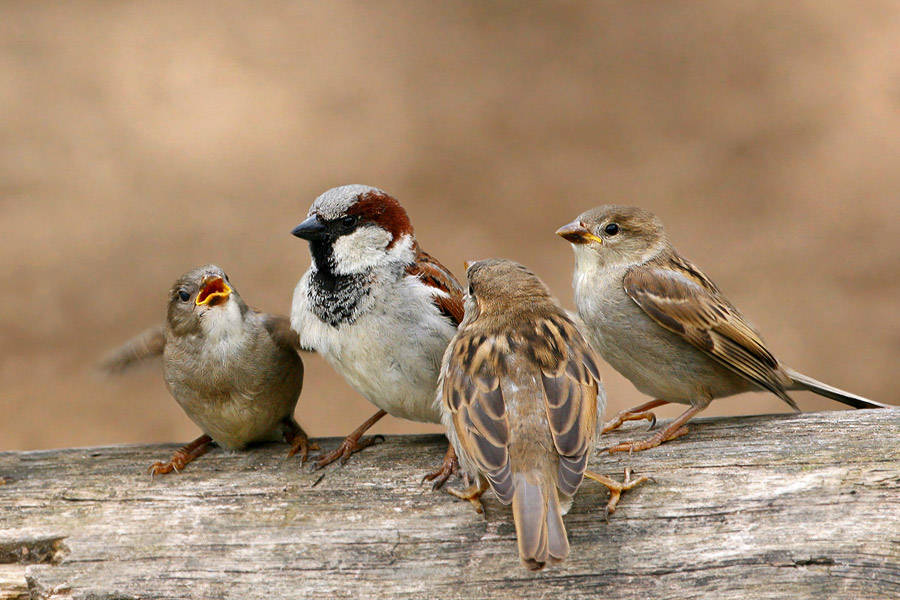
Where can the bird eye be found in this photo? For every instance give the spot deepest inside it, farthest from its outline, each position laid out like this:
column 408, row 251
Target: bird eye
column 184, row 295
column 611, row 229
column 349, row 221
column 471, row 291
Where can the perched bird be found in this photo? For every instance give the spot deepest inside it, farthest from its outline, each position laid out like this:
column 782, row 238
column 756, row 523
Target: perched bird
column 378, row 308
column 233, row 369
column 663, row 324
column 521, row 399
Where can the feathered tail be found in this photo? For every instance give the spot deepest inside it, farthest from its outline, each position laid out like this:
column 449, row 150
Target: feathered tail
column 802, row 382
column 540, row 531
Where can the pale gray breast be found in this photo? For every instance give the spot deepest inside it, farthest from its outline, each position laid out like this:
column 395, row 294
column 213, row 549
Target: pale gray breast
column 658, row 362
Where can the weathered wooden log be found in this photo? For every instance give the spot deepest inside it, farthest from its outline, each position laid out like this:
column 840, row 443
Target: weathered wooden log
column 799, row 506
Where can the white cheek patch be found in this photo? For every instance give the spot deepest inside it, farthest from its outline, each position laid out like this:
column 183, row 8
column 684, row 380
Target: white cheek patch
column 360, row 250
column 402, row 250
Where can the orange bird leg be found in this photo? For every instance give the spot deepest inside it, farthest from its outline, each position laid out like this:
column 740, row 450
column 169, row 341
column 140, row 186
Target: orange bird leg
column 297, row 438
column 636, row 413
column 182, row 456
column 351, row 443
column 674, row 430
column 449, row 467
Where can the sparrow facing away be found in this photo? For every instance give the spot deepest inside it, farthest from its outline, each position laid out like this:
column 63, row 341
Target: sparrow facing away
column 233, row 369
column 377, row 307
column 521, row 399
column 663, row 324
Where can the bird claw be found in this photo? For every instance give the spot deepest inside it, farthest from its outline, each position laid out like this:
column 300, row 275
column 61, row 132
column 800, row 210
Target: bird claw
column 628, row 415
column 303, row 446
column 615, row 488
column 450, row 466
column 651, row 442
column 181, row 457
column 473, row 494
column 161, row 468
column 348, row 448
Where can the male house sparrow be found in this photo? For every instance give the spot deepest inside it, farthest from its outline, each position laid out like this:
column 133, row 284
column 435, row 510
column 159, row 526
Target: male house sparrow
column 377, row 307
column 660, row 322
column 521, row 398
column 233, row 369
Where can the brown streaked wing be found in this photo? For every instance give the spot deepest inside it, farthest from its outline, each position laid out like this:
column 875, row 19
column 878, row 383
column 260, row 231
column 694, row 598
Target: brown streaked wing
column 570, row 378
column 694, row 309
column 471, row 392
column 435, row 275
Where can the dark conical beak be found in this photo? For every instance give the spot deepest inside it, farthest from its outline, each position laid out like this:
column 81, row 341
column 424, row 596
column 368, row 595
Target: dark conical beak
column 311, row 230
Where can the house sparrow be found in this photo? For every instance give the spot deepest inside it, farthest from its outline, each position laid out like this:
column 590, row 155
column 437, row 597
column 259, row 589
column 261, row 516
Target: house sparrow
column 520, row 396
column 233, row 369
column 377, row 307
column 660, row 322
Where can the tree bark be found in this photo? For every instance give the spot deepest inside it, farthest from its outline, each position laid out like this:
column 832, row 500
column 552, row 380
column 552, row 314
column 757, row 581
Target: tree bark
column 785, row 506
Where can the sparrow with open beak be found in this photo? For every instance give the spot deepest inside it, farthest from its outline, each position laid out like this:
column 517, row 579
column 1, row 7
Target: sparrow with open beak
column 521, row 399
column 233, row 369
column 662, row 323
column 378, row 308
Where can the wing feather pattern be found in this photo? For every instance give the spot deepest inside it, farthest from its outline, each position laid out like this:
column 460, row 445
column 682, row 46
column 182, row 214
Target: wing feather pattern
column 685, row 302
column 473, row 394
column 570, row 379
column 448, row 294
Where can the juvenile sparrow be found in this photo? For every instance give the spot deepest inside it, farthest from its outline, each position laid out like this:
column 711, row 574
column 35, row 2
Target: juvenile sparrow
column 660, row 322
column 233, row 369
column 521, row 399
column 377, row 307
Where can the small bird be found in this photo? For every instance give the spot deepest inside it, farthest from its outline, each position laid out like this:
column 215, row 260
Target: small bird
column 521, row 398
column 234, row 370
column 377, row 307
column 662, row 323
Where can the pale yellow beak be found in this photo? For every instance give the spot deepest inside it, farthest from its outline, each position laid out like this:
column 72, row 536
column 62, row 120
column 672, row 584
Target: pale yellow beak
column 468, row 264
column 577, row 233
column 215, row 291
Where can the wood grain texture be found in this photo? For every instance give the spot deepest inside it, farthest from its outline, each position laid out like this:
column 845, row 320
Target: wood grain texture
column 804, row 506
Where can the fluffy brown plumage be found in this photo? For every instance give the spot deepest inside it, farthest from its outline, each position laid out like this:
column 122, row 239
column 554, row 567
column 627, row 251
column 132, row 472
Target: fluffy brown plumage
column 520, row 397
column 662, row 323
column 233, row 369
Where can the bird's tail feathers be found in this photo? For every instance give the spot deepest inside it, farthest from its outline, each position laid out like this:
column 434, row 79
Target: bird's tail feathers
column 540, row 531
column 800, row 381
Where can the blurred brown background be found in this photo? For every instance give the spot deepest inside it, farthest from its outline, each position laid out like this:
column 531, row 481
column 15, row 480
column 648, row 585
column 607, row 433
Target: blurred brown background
column 140, row 140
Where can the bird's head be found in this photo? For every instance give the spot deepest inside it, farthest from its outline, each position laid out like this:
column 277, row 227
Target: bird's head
column 354, row 228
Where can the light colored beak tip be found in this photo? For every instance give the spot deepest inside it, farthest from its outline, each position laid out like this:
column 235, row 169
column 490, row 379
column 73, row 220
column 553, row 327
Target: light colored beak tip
column 468, row 264
column 576, row 233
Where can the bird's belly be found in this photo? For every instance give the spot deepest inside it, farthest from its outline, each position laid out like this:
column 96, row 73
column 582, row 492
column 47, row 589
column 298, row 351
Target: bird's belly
column 237, row 415
column 240, row 421
column 658, row 363
column 397, row 373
